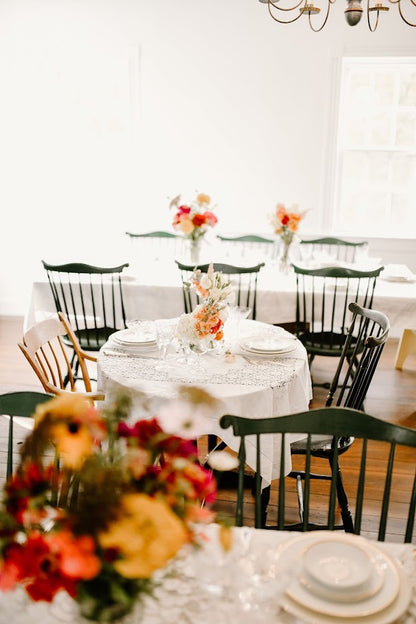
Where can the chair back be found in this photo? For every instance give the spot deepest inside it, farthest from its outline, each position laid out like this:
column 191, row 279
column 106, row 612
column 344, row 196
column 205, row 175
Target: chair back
column 248, row 245
column 243, row 279
column 91, row 297
column 337, row 249
column 391, row 443
column 366, row 338
column 22, row 405
column 322, row 299
column 44, row 348
column 155, row 245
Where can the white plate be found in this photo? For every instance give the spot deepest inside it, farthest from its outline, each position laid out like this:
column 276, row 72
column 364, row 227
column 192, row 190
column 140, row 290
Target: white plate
column 375, row 603
column 386, row 616
column 128, row 337
column 268, row 344
column 338, row 565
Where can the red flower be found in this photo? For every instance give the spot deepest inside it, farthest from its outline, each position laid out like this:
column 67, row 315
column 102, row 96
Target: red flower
column 143, row 430
column 210, row 217
column 198, row 220
column 285, row 219
column 38, row 568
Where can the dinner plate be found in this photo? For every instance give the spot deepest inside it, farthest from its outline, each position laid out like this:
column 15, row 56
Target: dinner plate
column 338, row 565
column 386, row 616
column 268, row 344
column 299, row 595
column 129, row 337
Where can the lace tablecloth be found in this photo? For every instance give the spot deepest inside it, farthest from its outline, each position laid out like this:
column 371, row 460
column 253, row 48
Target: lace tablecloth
column 256, row 387
column 207, row 586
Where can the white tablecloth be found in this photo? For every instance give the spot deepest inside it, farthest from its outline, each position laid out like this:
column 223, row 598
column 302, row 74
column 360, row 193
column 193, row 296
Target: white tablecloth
column 263, row 387
column 156, row 292
column 207, row 586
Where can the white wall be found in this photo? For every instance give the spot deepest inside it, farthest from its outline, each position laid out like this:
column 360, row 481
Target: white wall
column 110, row 107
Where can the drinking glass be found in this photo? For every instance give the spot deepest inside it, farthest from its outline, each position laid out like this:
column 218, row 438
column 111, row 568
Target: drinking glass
column 165, row 332
column 142, row 329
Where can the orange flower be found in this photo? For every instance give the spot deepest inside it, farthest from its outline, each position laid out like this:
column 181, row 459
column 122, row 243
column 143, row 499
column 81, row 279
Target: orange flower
column 147, row 534
column 202, row 198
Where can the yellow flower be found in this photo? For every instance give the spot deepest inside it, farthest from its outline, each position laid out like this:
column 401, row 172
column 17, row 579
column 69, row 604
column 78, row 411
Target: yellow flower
column 73, row 425
column 147, row 534
column 62, row 407
column 202, row 198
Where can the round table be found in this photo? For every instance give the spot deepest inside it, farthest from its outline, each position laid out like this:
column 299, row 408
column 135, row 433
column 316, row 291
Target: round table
column 251, row 385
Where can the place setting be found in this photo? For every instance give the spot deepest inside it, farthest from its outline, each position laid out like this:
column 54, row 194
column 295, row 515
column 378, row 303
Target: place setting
column 343, row 578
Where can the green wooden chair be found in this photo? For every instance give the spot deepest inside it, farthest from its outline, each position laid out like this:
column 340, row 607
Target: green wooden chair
column 92, row 299
column 337, row 248
column 18, row 404
column 244, row 280
column 155, row 245
column 264, row 247
column 339, row 422
column 322, row 299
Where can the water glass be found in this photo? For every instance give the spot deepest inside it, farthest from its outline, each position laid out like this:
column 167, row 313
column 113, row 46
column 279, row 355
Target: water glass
column 165, row 332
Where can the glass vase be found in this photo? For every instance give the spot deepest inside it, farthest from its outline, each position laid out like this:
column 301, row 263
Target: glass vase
column 284, row 257
column 194, row 251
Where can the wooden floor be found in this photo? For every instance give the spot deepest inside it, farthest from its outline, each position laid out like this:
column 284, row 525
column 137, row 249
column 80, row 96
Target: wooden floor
column 392, row 397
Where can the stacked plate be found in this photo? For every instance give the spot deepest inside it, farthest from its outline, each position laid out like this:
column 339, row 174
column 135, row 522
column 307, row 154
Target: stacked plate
column 129, row 338
column 268, row 344
column 344, row 579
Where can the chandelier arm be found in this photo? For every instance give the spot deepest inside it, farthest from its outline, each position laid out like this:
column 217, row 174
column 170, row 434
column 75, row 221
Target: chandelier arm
column 372, row 28
column 403, row 17
column 295, row 6
column 325, row 20
column 284, row 21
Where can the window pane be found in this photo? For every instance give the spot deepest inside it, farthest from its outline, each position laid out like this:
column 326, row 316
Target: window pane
column 376, row 156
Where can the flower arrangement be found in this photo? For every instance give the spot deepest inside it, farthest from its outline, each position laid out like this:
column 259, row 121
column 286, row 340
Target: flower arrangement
column 122, row 500
column 206, row 322
column 285, row 222
column 194, row 219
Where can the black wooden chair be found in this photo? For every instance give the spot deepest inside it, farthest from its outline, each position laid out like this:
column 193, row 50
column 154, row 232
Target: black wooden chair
column 251, row 244
column 338, row 249
column 244, row 280
column 92, row 299
column 373, row 437
column 366, row 338
column 322, row 299
column 156, row 245
column 19, row 405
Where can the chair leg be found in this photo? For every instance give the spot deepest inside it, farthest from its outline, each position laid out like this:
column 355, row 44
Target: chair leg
column 346, row 515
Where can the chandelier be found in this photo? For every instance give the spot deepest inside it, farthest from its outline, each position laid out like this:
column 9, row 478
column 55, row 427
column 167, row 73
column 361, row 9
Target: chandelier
column 353, row 12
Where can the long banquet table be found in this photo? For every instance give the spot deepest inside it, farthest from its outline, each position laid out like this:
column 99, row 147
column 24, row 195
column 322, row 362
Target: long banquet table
column 249, row 584
column 155, row 291
column 251, row 385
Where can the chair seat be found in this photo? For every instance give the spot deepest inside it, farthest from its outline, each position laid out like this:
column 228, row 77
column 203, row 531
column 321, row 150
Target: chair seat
column 92, row 339
column 320, row 444
column 324, row 343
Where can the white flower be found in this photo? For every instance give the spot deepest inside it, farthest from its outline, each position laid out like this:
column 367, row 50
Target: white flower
column 205, row 282
column 185, row 328
column 221, row 460
column 184, row 419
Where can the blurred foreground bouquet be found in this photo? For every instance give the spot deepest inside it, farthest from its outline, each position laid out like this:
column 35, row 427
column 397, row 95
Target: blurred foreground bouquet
column 206, row 323
column 111, row 504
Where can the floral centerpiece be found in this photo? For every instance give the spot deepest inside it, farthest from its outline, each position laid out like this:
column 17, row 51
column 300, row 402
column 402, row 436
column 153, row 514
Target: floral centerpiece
column 120, row 502
column 193, row 220
column 285, row 222
column 203, row 327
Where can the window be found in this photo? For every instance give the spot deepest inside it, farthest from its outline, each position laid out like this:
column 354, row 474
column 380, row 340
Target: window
column 376, row 148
